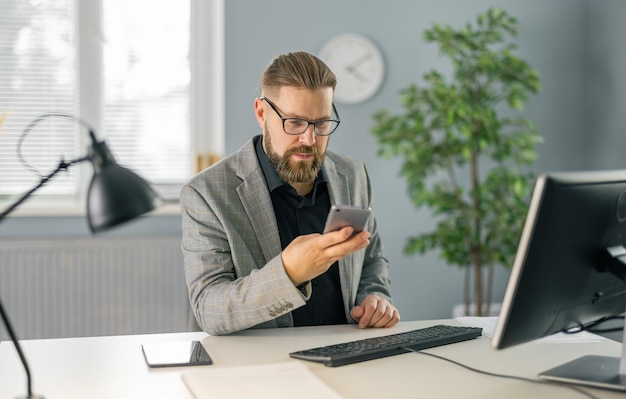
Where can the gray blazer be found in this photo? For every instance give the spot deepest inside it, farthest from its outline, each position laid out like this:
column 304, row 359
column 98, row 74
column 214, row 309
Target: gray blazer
column 231, row 245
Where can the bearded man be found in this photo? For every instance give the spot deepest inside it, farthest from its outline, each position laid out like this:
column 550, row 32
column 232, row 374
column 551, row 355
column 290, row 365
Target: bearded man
column 253, row 250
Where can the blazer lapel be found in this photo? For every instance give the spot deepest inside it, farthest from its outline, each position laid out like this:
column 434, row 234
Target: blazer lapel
column 256, row 200
column 338, row 188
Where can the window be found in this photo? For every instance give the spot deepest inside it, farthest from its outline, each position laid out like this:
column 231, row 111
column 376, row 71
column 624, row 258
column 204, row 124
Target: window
column 146, row 74
column 146, row 86
column 37, row 64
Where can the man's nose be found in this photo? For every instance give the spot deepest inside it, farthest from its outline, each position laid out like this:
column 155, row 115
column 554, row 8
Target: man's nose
column 308, row 137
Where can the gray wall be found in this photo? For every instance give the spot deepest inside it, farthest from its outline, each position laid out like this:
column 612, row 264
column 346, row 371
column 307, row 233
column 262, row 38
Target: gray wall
column 554, row 37
column 605, row 86
column 574, row 44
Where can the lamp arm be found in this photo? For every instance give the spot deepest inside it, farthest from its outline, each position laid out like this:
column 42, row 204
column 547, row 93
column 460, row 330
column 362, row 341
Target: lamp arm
column 61, row 167
column 5, row 318
column 18, row 348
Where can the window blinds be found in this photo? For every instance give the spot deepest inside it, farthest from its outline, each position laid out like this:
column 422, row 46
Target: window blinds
column 142, row 96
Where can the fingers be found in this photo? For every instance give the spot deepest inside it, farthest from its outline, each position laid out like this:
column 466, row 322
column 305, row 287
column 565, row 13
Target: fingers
column 341, row 243
column 375, row 312
column 308, row 256
column 344, row 235
column 356, row 313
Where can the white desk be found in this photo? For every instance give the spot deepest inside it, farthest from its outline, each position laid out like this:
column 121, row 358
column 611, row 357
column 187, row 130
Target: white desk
column 114, row 367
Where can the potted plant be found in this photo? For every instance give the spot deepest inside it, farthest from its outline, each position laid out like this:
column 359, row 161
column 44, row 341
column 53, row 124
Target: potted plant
column 466, row 153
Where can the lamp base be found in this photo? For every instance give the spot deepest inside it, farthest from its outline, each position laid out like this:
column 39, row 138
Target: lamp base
column 30, row 397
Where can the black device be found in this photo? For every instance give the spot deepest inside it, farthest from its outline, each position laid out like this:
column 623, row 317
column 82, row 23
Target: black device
column 387, row 345
column 569, row 269
column 175, row 353
column 341, row 216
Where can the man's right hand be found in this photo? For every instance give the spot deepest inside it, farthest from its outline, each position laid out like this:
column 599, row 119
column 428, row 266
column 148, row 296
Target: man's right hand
column 309, row 256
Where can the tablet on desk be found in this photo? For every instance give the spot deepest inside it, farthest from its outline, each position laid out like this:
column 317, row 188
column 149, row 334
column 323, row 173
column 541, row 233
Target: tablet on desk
column 174, row 354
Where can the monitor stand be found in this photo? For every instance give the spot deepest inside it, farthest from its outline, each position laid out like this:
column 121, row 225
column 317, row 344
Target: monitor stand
column 594, row 371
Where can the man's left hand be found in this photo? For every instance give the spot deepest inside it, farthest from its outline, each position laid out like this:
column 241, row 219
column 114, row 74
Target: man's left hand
column 375, row 311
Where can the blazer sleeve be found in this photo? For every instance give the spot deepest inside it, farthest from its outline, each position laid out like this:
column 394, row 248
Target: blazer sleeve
column 231, row 285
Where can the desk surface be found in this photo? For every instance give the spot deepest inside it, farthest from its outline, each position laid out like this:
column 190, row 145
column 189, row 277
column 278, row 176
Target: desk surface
column 114, row 367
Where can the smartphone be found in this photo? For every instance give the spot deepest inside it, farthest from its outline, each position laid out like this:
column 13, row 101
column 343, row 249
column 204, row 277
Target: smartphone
column 175, row 354
column 341, row 216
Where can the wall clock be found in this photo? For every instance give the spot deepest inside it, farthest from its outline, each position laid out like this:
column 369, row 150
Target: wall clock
column 358, row 64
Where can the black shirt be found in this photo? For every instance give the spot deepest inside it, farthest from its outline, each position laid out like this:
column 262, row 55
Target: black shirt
column 295, row 216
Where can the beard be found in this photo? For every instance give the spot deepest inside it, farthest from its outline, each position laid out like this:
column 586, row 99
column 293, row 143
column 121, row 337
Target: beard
column 294, row 171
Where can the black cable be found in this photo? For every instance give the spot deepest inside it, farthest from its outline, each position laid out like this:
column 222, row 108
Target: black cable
column 590, row 326
column 577, row 389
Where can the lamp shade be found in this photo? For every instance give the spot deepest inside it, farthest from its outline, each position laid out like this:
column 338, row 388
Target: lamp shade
column 117, row 195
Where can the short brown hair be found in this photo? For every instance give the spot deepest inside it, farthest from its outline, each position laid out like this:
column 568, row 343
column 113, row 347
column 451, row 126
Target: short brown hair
column 298, row 69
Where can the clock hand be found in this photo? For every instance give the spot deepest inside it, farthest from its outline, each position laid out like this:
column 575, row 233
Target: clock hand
column 360, row 60
column 352, row 68
column 356, row 73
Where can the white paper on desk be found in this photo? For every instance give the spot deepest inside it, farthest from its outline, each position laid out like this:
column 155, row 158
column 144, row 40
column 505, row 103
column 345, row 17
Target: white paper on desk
column 488, row 324
column 280, row 380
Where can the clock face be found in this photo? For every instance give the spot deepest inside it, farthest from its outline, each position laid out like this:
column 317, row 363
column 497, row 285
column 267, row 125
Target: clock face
column 358, row 64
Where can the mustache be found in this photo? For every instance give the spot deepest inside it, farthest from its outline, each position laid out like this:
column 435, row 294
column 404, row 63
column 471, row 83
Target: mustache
column 303, row 150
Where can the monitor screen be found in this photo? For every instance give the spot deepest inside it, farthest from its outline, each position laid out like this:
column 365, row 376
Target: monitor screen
column 569, row 268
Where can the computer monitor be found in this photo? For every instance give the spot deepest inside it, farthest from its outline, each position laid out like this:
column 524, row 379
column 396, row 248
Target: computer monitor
column 569, row 269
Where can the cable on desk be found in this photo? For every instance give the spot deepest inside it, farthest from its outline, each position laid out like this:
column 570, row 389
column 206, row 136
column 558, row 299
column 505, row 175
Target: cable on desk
column 575, row 388
column 591, row 327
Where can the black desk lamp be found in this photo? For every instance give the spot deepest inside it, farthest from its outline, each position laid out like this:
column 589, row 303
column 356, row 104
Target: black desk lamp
column 115, row 195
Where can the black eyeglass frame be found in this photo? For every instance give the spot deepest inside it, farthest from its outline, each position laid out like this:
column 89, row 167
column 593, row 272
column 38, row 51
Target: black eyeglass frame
column 309, row 123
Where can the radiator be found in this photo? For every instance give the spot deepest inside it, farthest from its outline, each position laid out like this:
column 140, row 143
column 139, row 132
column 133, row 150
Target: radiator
column 92, row 286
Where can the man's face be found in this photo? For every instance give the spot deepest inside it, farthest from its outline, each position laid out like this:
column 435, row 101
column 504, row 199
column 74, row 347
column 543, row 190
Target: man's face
column 297, row 159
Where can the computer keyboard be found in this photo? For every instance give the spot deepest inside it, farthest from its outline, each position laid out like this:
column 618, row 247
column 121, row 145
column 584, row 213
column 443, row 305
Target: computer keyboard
column 387, row 345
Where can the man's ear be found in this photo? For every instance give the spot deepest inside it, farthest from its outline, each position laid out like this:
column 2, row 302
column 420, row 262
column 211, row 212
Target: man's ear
column 259, row 112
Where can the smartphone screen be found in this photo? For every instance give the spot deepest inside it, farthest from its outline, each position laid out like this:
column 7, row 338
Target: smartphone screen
column 174, row 354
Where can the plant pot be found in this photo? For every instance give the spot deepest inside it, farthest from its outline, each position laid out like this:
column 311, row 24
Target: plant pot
column 458, row 310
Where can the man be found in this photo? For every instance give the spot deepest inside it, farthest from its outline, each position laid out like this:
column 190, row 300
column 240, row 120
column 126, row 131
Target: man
column 254, row 255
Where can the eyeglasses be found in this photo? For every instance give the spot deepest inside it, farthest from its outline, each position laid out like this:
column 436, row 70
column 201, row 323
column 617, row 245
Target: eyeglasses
column 296, row 126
